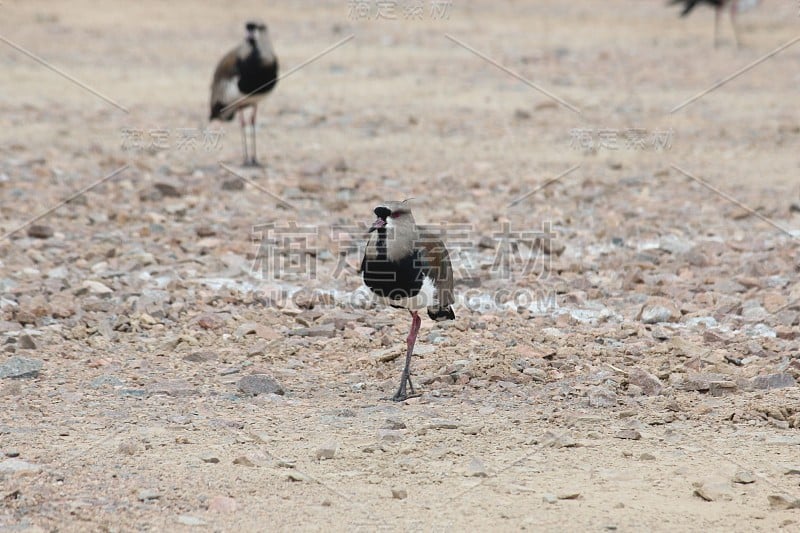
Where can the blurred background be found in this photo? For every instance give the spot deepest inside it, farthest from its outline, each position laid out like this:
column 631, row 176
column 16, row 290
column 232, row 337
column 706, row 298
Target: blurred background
column 665, row 307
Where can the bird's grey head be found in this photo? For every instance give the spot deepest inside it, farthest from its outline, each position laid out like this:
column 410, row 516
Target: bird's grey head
column 256, row 33
column 395, row 228
column 393, row 214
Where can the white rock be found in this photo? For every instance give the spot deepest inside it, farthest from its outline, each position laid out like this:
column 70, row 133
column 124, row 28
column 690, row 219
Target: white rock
column 327, row 451
column 95, row 287
column 18, row 466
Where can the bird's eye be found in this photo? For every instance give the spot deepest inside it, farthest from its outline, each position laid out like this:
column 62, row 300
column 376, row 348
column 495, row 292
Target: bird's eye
column 383, row 212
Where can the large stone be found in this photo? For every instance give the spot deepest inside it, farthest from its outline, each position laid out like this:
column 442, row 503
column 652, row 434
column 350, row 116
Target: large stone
column 650, row 384
column 256, row 384
column 20, row 367
column 97, row 288
column 324, row 330
column 39, row 231
column 713, row 490
column 18, row 466
column 659, row 309
column 771, row 381
column 781, row 502
column 601, row 397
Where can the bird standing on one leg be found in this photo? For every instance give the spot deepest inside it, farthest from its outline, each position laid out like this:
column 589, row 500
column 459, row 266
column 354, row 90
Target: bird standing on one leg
column 719, row 5
column 406, row 268
column 242, row 78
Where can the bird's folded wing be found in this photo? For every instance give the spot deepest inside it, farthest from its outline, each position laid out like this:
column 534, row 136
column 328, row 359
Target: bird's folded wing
column 439, row 267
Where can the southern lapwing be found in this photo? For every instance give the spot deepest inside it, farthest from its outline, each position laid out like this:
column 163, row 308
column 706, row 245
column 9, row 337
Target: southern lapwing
column 719, row 5
column 242, row 78
column 407, row 268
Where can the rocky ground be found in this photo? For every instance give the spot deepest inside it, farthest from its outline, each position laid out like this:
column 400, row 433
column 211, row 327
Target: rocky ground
column 186, row 343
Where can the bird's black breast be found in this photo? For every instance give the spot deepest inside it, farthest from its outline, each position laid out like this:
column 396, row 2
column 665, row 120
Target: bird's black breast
column 255, row 76
column 690, row 4
column 394, row 279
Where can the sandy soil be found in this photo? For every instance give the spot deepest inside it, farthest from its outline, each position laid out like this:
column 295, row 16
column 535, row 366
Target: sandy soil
column 641, row 375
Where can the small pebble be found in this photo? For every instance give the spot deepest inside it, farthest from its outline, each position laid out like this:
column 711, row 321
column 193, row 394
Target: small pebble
column 256, row 384
column 38, row 231
column 394, row 423
column 222, row 504
column 188, row 520
column 295, row 475
column 628, row 434
column 327, row 451
column 243, row 461
column 476, row 468
column 146, row 495
column 26, row 342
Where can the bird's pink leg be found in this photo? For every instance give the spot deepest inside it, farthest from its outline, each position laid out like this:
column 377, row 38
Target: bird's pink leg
column 253, row 160
column 243, row 124
column 401, row 394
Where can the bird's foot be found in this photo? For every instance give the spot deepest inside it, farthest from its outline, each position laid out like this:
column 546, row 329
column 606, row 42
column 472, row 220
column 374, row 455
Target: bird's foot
column 251, row 163
column 402, row 395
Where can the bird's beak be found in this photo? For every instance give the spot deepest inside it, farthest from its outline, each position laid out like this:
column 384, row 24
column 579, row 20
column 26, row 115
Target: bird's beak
column 379, row 223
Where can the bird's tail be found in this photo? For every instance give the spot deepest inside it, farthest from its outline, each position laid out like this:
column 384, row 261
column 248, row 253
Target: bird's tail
column 441, row 313
column 689, row 5
column 219, row 112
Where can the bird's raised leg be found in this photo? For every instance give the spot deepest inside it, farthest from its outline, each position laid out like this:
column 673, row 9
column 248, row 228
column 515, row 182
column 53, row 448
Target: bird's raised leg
column 243, row 124
column 253, row 160
column 405, row 378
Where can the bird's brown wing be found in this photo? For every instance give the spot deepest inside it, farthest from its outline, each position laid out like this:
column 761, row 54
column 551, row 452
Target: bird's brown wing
column 441, row 270
column 227, row 69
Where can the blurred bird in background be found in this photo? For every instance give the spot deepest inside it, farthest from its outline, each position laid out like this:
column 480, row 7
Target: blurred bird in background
column 243, row 77
column 735, row 7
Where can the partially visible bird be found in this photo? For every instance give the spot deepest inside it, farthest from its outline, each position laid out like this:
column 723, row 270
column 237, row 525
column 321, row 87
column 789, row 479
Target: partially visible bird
column 719, row 5
column 407, row 268
column 242, row 78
